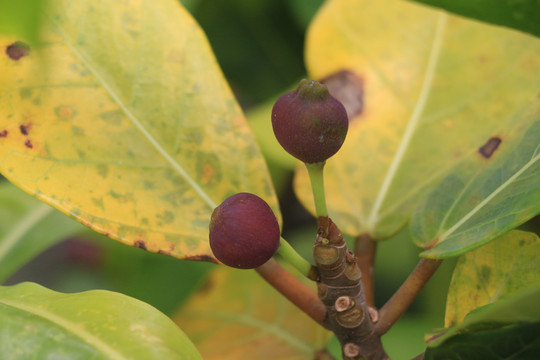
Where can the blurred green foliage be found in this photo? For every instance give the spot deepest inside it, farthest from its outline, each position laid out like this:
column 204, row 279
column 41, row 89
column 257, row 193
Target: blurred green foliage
column 259, row 44
column 21, row 18
column 523, row 15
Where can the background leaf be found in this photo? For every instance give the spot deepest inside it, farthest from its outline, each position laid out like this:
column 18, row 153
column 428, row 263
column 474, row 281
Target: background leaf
column 95, row 324
column 509, row 263
column 422, row 94
column 521, row 15
column 517, row 341
column 130, row 127
column 491, row 192
column 236, row 315
column 27, row 227
column 510, row 310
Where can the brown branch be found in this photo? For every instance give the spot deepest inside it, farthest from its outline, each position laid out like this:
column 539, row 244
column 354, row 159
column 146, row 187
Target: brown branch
column 404, row 296
column 294, row 290
column 365, row 249
column 341, row 290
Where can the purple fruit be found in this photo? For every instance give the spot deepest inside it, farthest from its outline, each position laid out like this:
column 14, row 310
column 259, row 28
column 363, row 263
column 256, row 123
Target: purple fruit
column 309, row 123
column 244, row 232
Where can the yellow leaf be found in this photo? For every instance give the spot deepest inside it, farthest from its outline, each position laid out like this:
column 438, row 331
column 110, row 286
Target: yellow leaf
column 423, row 90
column 237, row 315
column 121, row 118
column 504, row 266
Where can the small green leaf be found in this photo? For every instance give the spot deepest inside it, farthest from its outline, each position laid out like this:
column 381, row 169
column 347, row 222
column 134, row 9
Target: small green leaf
column 27, row 227
column 35, row 321
column 505, row 265
column 520, row 15
column 492, row 191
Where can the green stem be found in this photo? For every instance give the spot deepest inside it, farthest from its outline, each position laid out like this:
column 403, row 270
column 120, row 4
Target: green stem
column 296, row 260
column 315, row 172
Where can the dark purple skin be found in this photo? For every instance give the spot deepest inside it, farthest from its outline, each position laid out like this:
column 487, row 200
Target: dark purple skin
column 244, row 232
column 309, row 123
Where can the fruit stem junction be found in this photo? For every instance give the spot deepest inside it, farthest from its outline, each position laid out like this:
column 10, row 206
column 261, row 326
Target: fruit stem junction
column 288, row 253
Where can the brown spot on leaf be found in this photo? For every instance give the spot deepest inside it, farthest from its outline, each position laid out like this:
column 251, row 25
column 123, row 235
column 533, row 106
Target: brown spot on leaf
column 25, row 128
column 202, row 258
column 28, row 144
column 206, row 286
column 489, row 148
column 3, row 133
column 17, row 50
column 348, row 88
column 164, row 252
column 140, row 244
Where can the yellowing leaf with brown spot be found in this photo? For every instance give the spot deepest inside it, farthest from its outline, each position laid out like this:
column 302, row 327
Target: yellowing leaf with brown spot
column 237, row 315
column 423, row 88
column 121, row 118
column 504, row 266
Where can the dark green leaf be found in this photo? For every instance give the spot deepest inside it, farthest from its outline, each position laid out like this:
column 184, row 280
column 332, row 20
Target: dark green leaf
column 517, row 341
column 521, row 15
column 27, row 227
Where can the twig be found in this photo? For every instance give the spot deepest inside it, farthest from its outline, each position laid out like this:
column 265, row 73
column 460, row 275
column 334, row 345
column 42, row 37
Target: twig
column 404, row 296
column 341, row 290
column 365, row 249
column 294, row 290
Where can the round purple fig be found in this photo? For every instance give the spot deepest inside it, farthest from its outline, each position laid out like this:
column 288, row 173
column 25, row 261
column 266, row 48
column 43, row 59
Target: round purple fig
column 309, row 123
column 244, row 232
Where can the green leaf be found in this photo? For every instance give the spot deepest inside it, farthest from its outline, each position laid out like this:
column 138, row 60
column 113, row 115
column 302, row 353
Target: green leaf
column 517, row 341
column 423, row 89
column 27, row 227
column 130, row 127
column 237, row 315
column 520, row 15
column 494, row 190
column 95, row 324
column 505, row 265
column 506, row 329
column 21, row 18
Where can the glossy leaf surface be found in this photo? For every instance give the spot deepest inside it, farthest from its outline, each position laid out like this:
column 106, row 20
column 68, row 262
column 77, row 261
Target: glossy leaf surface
column 90, row 325
column 482, row 276
column 130, row 127
column 520, row 15
column 237, row 315
column 27, row 227
column 494, row 190
column 423, row 90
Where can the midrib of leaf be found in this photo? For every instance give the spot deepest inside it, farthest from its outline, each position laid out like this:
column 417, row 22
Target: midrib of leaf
column 23, row 226
column 174, row 164
column 456, row 201
column 483, row 203
column 70, row 327
column 412, row 124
